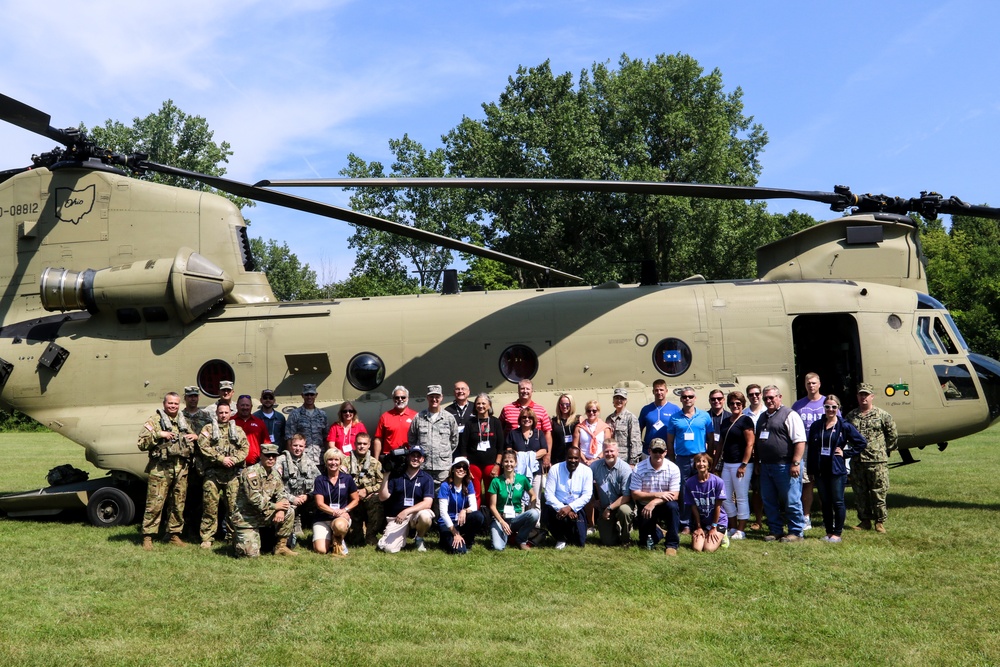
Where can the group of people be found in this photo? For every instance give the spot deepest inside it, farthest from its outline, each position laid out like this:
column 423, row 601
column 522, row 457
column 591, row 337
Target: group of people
column 519, row 475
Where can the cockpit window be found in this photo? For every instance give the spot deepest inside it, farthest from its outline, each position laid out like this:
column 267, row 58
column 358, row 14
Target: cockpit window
column 924, row 334
column 935, row 336
column 942, row 335
column 956, row 382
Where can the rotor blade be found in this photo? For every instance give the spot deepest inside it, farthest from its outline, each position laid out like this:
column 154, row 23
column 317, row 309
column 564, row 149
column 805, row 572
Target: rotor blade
column 347, row 215
column 631, row 187
column 31, row 119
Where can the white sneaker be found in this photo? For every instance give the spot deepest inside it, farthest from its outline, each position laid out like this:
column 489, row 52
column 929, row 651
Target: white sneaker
column 343, row 545
column 591, row 531
column 808, row 525
column 738, row 535
column 560, row 545
column 420, row 544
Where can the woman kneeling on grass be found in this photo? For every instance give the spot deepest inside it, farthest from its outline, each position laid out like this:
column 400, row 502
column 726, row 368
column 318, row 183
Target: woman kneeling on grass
column 459, row 517
column 511, row 516
column 336, row 495
column 704, row 493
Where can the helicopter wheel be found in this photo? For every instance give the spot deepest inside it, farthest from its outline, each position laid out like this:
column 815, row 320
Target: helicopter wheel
column 109, row 507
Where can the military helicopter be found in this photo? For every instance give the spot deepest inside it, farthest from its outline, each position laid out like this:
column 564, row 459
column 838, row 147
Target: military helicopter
column 118, row 290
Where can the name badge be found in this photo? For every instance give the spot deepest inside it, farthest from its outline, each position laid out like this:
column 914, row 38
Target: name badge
column 484, row 445
column 272, row 438
column 715, row 436
column 764, row 435
column 568, row 439
column 508, row 511
column 517, row 487
column 348, row 448
column 461, row 428
column 407, row 502
column 825, row 450
column 688, row 435
column 335, row 506
column 658, row 425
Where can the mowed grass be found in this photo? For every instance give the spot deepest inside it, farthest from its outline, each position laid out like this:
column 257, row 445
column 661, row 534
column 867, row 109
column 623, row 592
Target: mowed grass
column 925, row 594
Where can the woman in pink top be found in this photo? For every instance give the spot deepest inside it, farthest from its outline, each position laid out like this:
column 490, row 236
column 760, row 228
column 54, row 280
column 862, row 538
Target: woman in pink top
column 343, row 433
column 591, row 433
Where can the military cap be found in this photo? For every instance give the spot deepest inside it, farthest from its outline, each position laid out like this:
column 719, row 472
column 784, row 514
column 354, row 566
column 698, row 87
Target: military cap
column 416, row 449
column 269, row 449
column 309, row 388
column 658, row 443
column 621, row 391
column 434, row 389
column 866, row 388
column 267, row 393
column 191, row 391
column 225, row 384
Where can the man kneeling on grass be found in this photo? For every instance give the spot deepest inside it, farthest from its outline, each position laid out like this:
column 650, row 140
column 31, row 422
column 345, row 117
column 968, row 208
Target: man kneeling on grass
column 261, row 503
column 408, row 496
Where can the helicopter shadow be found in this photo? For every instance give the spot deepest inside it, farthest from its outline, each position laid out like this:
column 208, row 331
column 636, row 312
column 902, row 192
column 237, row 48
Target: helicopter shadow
column 897, row 500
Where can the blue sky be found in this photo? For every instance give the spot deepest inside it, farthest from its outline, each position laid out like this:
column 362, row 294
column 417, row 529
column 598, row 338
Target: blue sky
column 889, row 97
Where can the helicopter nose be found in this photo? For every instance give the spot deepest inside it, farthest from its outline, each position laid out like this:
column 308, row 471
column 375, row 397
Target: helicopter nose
column 988, row 370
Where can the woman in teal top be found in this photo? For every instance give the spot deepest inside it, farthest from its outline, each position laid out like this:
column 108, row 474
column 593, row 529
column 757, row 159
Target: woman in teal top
column 512, row 515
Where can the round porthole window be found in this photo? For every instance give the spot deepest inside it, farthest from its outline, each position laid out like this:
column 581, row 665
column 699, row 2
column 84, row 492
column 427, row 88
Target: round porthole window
column 518, row 362
column 365, row 371
column 672, row 357
column 212, row 373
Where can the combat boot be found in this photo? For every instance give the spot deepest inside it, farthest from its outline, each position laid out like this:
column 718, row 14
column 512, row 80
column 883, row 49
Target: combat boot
column 865, row 524
column 283, row 550
column 175, row 540
column 147, row 542
column 338, row 549
column 879, row 528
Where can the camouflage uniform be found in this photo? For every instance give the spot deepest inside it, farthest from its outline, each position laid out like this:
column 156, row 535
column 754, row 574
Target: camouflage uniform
column 219, row 480
column 259, row 491
column 167, row 470
column 870, row 471
column 367, row 474
column 314, row 427
column 298, row 478
column 628, row 435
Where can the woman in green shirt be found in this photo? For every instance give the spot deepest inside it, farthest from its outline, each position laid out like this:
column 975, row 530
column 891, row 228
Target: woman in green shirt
column 512, row 504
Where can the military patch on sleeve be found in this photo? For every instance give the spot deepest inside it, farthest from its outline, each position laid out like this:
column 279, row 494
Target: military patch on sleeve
column 251, row 474
column 148, row 427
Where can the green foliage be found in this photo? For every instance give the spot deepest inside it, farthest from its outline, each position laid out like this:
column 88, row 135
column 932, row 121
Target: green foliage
column 488, row 274
column 441, row 211
column 172, row 137
column 963, row 272
column 924, row 594
column 290, row 279
column 661, row 120
column 16, row 421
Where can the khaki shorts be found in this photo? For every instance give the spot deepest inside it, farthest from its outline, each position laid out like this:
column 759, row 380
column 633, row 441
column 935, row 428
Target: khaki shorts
column 394, row 538
column 323, row 530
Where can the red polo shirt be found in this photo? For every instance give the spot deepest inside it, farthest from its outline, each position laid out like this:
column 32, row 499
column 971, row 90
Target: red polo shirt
column 256, row 431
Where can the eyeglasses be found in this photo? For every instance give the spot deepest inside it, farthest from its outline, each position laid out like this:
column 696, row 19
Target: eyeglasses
column 399, row 398
column 831, row 407
column 733, row 404
column 771, row 398
column 687, row 398
column 347, row 412
column 715, row 398
column 754, row 394
column 246, row 396
column 591, row 411
column 564, row 405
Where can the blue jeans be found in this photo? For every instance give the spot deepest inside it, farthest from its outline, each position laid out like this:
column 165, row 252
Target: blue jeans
column 782, row 494
column 665, row 513
column 565, row 530
column 683, row 462
column 831, row 494
column 520, row 528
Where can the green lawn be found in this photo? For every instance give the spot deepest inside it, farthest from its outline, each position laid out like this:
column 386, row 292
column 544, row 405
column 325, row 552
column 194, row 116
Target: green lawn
column 925, row 594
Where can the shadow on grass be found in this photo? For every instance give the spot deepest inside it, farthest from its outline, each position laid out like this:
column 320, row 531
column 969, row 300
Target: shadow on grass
column 899, row 500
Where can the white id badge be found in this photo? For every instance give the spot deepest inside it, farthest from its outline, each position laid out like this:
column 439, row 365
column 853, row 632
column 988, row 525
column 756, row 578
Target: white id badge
column 568, row 439
column 825, row 450
column 484, row 445
column 461, row 428
column 764, row 435
column 348, row 448
column 508, row 511
column 407, row 502
column 335, row 506
column 715, row 436
column 658, row 425
column 689, row 435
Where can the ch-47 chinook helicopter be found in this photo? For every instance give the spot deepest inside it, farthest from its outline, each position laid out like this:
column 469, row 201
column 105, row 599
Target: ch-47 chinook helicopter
column 117, row 290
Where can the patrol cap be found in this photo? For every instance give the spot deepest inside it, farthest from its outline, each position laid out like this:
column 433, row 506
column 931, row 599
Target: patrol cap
column 267, row 393
column 270, row 449
column 225, row 384
column 620, row 391
column 309, row 388
column 416, row 449
column 434, row 389
column 191, row 391
column 866, row 388
column 658, row 443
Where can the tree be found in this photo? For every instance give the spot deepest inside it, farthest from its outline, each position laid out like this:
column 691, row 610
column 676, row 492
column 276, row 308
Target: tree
column 381, row 255
column 170, row 137
column 290, row 279
column 662, row 120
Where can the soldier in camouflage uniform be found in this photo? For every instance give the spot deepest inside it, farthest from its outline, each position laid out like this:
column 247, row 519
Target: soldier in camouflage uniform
column 870, row 470
column 261, row 503
column 196, row 418
column 167, row 437
column 223, row 447
column 298, row 474
column 311, row 422
column 368, row 518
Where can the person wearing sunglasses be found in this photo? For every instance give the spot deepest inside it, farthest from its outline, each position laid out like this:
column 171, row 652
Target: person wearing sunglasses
column 343, row 433
column 688, row 433
column 780, row 445
column 459, row 516
column 393, row 427
column 831, row 439
column 310, row 421
column 737, row 441
column 590, row 434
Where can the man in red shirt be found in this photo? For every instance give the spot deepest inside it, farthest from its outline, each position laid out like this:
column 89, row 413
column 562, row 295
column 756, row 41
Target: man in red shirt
column 509, row 417
column 394, row 426
column 255, row 428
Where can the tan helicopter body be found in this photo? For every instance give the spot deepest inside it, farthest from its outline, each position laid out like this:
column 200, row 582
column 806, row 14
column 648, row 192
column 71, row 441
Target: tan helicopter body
column 153, row 289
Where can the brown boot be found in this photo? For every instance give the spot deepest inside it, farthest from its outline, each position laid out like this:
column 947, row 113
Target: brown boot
column 176, row 541
column 338, row 549
column 283, row 550
column 879, row 528
column 147, row 542
column 865, row 524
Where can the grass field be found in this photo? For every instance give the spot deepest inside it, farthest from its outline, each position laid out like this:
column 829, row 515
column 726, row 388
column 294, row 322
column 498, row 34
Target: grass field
column 925, row 594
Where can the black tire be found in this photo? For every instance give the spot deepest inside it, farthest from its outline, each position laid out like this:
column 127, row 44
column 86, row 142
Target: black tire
column 109, row 507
